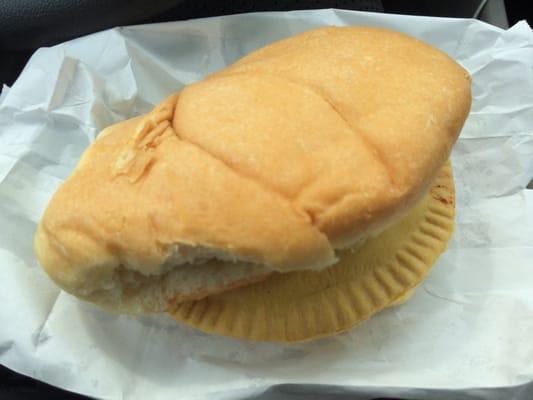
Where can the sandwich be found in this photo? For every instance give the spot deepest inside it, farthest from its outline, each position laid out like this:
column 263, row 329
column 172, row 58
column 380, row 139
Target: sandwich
column 289, row 196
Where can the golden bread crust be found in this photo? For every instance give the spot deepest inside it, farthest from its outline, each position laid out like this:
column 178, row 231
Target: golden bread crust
column 307, row 145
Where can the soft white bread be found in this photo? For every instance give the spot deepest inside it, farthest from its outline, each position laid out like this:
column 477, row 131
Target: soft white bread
column 143, row 201
column 307, row 145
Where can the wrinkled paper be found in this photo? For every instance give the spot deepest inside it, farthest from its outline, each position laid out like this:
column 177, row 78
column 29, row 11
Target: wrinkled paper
column 468, row 326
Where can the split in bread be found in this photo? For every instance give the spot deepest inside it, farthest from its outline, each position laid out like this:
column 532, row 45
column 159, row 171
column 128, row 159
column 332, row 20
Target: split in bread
column 304, row 147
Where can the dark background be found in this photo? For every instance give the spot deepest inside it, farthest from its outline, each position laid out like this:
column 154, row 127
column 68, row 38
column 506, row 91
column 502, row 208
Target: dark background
column 26, row 25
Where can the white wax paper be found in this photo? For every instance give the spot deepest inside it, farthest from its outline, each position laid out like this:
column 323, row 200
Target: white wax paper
column 468, row 326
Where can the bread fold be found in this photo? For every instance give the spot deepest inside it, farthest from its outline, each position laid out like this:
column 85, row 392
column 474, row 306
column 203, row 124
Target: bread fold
column 309, row 145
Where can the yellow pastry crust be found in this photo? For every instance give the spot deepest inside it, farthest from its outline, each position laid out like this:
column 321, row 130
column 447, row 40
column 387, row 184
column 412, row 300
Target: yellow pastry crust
column 305, row 305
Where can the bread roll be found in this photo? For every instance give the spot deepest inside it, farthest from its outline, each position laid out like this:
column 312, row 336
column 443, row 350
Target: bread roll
column 306, row 146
